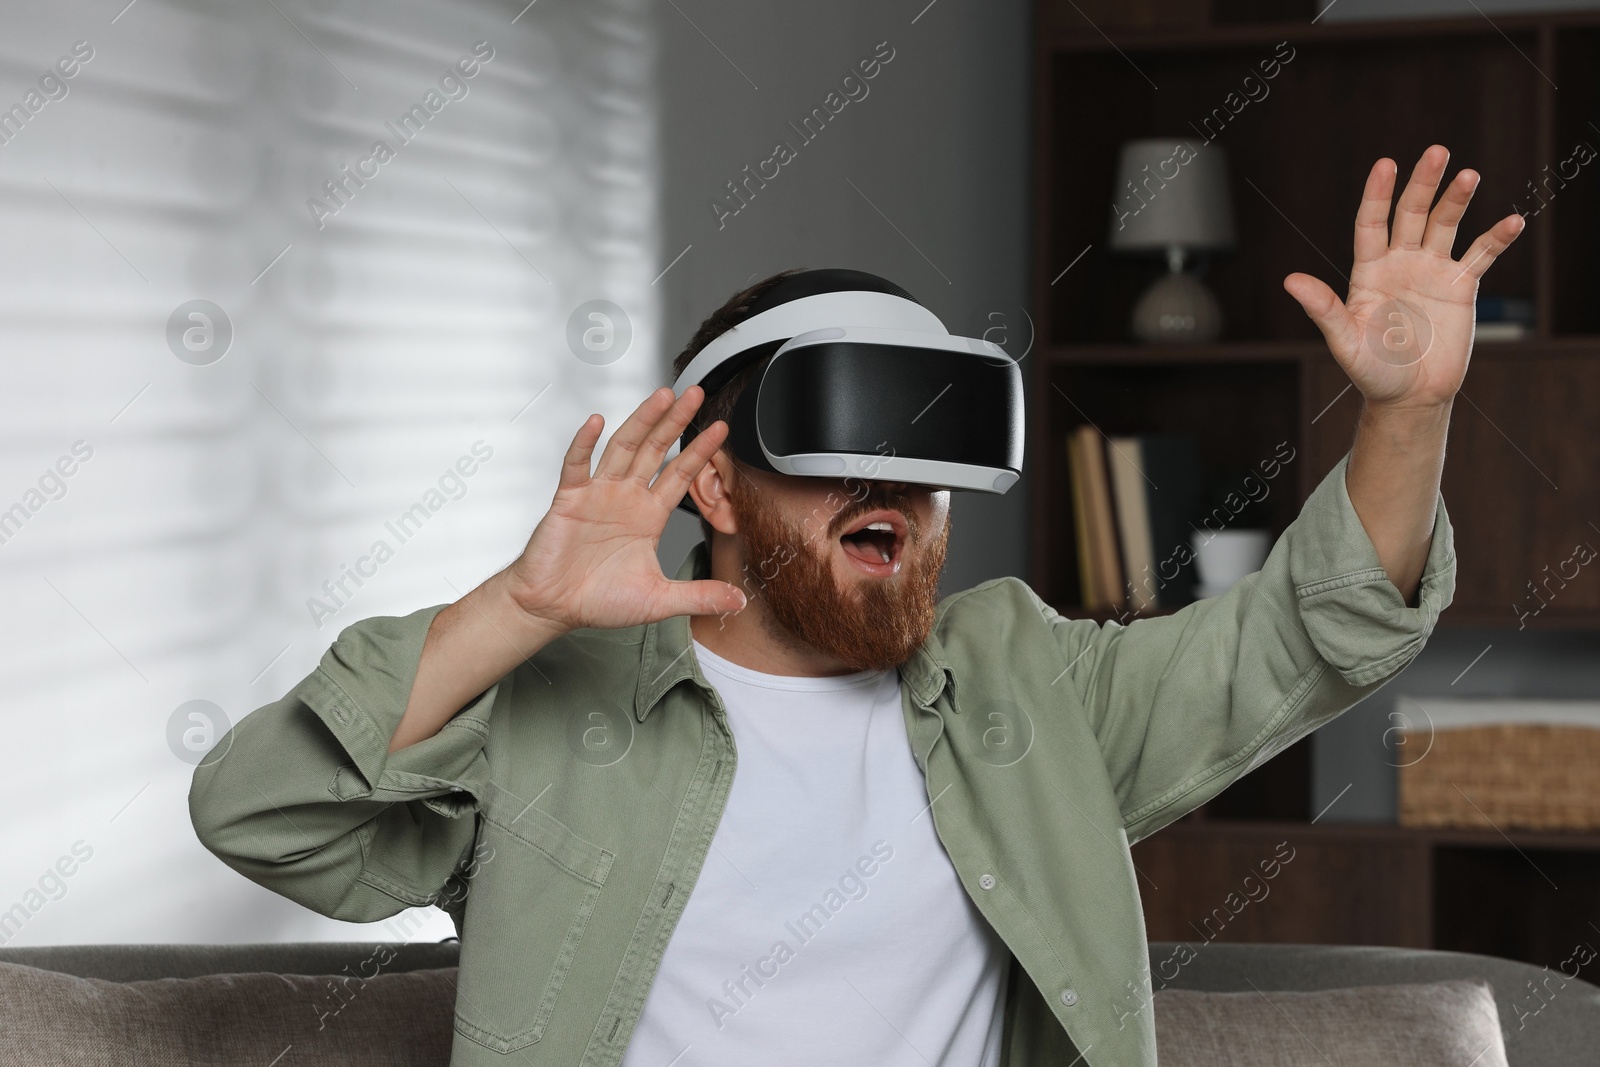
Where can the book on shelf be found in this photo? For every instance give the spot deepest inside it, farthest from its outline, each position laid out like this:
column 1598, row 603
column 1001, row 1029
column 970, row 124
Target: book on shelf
column 1102, row 579
column 1504, row 309
column 1125, row 461
column 1080, row 522
column 1503, row 318
column 1133, row 502
column 1501, row 331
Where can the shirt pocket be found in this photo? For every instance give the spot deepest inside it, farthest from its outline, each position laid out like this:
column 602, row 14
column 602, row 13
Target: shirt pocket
column 527, row 906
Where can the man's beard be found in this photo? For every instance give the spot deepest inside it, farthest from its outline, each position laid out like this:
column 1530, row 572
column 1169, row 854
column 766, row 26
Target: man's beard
column 873, row 627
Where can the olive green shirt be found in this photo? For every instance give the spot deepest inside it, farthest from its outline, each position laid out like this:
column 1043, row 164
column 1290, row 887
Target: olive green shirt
column 563, row 816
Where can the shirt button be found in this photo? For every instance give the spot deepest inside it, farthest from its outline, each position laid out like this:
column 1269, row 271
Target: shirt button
column 1068, row 997
column 986, row 882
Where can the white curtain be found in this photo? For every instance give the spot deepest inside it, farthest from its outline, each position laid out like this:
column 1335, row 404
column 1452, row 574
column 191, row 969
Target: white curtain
column 242, row 347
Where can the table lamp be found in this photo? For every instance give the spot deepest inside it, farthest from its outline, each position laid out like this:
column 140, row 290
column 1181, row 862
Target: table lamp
column 1172, row 197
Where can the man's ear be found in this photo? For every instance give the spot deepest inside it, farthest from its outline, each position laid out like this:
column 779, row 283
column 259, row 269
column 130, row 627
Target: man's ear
column 709, row 491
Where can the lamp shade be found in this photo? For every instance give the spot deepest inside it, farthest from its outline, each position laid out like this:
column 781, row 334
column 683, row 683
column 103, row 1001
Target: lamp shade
column 1171, row 194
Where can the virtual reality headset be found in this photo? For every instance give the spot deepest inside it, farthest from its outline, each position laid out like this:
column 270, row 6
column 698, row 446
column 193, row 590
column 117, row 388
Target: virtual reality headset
column 864, row 382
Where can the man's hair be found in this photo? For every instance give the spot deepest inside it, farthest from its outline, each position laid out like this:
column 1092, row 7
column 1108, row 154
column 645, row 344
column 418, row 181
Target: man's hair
column 719, row 405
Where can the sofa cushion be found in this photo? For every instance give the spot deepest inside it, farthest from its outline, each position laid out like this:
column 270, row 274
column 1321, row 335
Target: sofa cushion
column 1418, row 1025
column 286, row 1020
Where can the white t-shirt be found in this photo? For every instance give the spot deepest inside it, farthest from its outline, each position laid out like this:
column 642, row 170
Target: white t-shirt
column 828, row 926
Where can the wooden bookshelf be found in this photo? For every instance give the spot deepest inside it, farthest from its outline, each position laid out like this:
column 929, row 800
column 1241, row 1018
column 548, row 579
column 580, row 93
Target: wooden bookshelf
column 1519, row 895
column 1520, row 434
column 1525, row 436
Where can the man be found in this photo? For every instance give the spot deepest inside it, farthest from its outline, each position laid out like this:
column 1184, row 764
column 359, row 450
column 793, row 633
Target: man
column 868, row 877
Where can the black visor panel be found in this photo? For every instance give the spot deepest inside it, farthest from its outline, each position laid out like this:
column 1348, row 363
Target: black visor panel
column 881, row 399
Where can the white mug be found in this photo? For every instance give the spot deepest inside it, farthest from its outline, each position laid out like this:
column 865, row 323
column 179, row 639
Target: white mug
column 1222, row 557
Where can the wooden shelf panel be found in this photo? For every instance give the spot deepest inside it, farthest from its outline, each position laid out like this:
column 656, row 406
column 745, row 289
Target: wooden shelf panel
column 1277, row 882
column 1238, row 351
column 1551, row 618
column 1520, row 896
column 1062, row 38
column 1211, row 829
column 1522, row 456
column 1078, row 611
column 1289, row 350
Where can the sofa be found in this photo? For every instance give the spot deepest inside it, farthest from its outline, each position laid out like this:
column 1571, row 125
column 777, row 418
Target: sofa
column 1546, row 1019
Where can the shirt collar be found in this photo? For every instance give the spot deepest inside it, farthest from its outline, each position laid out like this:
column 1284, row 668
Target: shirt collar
column 666, row 655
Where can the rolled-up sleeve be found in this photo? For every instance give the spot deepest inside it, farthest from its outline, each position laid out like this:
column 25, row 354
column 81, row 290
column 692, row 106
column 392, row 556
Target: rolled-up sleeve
column 1183, row 705
column 1351, row 610
column 303, row 796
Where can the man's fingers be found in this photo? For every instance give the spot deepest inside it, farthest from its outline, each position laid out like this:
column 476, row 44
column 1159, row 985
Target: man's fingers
column 1372, row 217
column 1411, row 212
column 1441, row 234
column 618, row 456
column 664, row 432
column 704, row 597
column 675, row 477
column 1326, row 310
column 575, row 466
column 1481, row 256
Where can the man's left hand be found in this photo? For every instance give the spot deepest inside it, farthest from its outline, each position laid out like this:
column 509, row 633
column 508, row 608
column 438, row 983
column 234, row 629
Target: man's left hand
column 1404, row 332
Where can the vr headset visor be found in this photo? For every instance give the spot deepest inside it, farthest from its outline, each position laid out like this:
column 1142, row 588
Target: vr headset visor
column 868, row 385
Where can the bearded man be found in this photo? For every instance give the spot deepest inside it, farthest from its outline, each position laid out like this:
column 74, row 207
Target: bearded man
column 790, row 807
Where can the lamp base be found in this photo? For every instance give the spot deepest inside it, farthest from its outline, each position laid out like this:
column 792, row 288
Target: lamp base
column 1178, row 308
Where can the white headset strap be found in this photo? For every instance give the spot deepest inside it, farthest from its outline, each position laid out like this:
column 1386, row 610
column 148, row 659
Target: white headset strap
column 854, row 308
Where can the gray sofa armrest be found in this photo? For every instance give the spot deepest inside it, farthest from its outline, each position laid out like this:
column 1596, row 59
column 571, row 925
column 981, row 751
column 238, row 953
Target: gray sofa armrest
column 1553, row 1027
column 135, row 963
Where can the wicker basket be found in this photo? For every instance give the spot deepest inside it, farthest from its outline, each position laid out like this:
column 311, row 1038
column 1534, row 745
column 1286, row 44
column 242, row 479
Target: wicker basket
column 1538, row 768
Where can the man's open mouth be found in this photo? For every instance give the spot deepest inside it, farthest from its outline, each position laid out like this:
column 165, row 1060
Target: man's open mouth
column 875, row 542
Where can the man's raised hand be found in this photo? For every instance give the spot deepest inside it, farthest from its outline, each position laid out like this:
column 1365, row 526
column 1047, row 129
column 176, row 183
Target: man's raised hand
column 591, row 561
column 1404, row 332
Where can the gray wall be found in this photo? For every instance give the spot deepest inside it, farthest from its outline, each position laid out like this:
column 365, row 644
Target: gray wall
column 924, row 180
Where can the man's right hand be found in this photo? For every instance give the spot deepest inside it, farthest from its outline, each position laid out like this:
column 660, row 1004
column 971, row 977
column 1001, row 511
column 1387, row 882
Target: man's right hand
column 592, row 559
column 591, row 562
